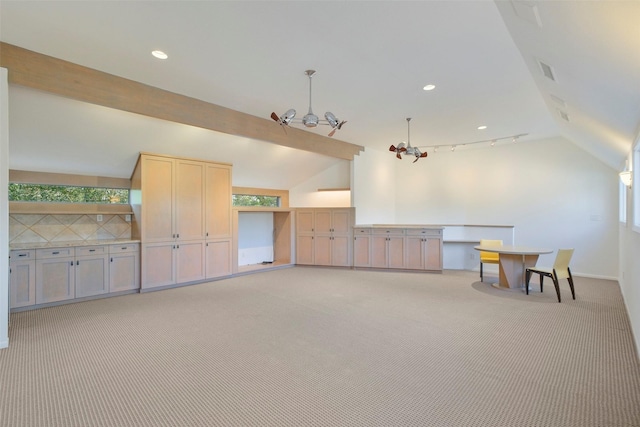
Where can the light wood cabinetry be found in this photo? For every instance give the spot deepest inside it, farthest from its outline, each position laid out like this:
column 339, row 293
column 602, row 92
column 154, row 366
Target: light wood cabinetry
column 184, row 208
column 323, row 236
column 22, row 278
column 124, row 267
column 52, row 275
column 218, row 258
column 362, row 247
column 412, row 248
column 91, row 271
column 387, row 248
column 218, row 228
column 55, row 275
column 423, row 249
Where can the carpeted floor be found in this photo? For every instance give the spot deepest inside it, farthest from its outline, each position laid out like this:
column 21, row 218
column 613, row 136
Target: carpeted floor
column 327, row 347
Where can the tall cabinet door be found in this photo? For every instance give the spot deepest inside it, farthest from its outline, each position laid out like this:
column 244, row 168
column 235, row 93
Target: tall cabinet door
column 157, row 199
column 218, row 201
column 189, row 202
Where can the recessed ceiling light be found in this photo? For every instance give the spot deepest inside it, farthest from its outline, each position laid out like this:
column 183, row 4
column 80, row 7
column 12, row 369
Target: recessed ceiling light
column 159, row 54
column 429, row 87
column 483, row 127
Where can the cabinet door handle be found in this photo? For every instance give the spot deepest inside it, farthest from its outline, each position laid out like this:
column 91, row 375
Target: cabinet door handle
column 55, row 253
column 92, row 250
column 207, row 234
column 178, row 235
column 22, row 255
column 71, row 263
column 111, row 259
column 77, row 262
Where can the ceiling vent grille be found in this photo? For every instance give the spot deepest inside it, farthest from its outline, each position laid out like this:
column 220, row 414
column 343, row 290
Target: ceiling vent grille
column 564, row 115
column 547, row 70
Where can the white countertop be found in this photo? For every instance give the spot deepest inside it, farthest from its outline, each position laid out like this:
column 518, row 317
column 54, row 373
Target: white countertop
column 436, row 227
column 24, row 246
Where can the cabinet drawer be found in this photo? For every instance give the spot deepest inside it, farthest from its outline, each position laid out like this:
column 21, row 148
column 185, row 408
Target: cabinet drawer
column 424, row 232
column 359, row 231
column 91, row 250
column 124, row 248
column 389, row 231
column 55, row 253
column 22, row 255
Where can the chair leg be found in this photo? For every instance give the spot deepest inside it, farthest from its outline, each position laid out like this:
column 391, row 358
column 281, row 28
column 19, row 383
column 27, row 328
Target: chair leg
column 573, row 292
column 481, row 279
column 526, row 283
column 541, row 281
column 556, row 284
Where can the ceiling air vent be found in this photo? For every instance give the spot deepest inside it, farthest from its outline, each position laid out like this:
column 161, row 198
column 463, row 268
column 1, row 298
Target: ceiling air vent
column 564, row 115
column 547, row 70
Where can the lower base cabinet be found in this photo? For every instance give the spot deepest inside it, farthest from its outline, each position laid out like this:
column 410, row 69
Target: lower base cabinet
column 124, row 267
column 91, row 271
column 55, row 275
column 22, row 278
column 409, row 248
column 218, row 258
column 50, row 275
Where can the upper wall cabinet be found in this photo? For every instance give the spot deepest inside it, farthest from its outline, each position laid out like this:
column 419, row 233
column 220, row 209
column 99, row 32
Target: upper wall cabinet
column 218, row 201
column 173, row 199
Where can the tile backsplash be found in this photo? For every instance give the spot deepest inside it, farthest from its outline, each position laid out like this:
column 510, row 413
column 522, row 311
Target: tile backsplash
column 47, row 228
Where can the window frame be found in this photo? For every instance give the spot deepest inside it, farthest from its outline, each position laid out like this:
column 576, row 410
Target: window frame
column 283, row 196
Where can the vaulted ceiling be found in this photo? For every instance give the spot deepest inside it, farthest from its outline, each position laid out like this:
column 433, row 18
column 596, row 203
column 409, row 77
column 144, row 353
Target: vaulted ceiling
column 372, row 61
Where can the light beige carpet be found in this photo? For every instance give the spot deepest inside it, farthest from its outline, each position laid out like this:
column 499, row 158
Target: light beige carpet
column 327, row 347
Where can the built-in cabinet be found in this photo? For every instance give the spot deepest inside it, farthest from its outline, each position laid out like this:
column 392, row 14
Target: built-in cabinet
column 323, row 236
column 50, row 275
column 413, row 248
column 183, row 217
column 55, row 277
column 91, row 271
column 387, row 248
column 124, row 267
column 22, row 278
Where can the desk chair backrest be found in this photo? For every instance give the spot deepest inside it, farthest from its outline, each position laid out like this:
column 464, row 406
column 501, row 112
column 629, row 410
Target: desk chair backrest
column 490, row 257
column 561, row 264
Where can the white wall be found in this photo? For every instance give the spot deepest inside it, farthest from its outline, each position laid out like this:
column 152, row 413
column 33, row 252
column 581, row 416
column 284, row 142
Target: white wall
column 4, row 208
column 307, row 195
column 554, row 193
column 374, row 187
column 255, row 237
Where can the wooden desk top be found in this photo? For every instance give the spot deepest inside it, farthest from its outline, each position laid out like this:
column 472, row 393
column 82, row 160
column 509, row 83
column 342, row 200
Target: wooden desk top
column 513, row 250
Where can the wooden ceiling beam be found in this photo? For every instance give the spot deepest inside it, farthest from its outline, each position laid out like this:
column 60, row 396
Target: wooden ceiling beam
column 63, row 78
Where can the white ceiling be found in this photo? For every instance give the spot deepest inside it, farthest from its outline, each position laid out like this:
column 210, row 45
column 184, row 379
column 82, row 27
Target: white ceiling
column 372, row 60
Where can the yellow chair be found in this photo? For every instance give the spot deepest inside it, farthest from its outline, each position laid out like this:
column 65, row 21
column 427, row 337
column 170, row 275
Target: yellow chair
column 489, row 257
column 560, row 270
